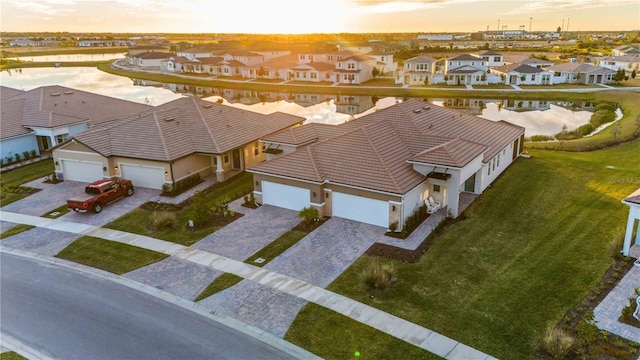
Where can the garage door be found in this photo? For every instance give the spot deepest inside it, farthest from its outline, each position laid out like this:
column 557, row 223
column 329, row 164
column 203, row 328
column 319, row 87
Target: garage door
column 285, row 196
column 361, row 209
column 84, row 171
column 143, row 176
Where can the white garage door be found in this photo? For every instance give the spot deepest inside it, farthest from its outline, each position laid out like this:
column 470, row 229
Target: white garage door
column 84, row 171
column 143, row 176
column 285, row 196
column 358, row 208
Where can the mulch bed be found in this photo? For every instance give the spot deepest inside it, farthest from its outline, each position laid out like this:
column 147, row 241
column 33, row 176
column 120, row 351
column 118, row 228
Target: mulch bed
column 304, row 227
column 20, row 190
column 217, row 220
column 411, row 256
column 156, row 206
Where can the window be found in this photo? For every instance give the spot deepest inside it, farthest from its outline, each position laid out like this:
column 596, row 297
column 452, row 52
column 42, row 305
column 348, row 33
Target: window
column 489, row 167
column 61, row 138
column 351, row 66
column 498, row 160
column 256, row 149
column 314, row 75
column 226, row 158
column 436, row 188
column 496, row 59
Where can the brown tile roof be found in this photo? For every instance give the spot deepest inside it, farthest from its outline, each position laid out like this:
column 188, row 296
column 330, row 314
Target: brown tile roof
column 182, row 127
column 54, row 106
column 520, row 68
column 634, row 197
column 7, row 92
column 373, row 151
column 578, row 68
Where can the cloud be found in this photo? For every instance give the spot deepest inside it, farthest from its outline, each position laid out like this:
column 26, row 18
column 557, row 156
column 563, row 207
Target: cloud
column 394, row 6
column 563, row 5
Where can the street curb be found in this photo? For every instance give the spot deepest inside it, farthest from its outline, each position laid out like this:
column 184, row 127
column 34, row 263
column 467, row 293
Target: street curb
column 21, row 348
column 235, row 324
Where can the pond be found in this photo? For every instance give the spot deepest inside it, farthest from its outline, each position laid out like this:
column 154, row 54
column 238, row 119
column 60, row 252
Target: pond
column 69, row 57
column 538, row 117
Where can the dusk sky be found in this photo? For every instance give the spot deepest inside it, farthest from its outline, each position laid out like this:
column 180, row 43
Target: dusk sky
column 315, row 16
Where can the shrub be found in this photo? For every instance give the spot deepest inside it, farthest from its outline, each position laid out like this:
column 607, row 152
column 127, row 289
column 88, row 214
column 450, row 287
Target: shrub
column 602, row 117
column 377, row 276
column 162, row 220
column 33, row 153
column 585, row 130
column 309, row 215
column 556, row 343
column 535, row 138
column 199, row 210
column 393, row 226
column 26, row 155
column 17, row 157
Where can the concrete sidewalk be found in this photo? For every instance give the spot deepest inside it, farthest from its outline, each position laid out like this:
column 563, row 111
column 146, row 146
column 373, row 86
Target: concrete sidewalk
column 402, row 329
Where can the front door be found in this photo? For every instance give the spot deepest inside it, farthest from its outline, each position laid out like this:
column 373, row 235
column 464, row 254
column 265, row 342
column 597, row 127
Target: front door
column 236, row 159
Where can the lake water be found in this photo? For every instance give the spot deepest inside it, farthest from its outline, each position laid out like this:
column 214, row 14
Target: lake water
column 70, row 57
column 538, row 117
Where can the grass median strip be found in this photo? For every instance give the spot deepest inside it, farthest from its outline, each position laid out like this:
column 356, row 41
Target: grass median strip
column 267, row 253
column 17, row 229
column 107, row 255
column 12, row 180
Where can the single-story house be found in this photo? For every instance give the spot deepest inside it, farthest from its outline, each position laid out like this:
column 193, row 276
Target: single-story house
column 380, row 168
column 46, row 116
column 577, row 73
column 170, row 142
column 148, row 59
column 521, row 74
column 627, row 63
column 633, row 201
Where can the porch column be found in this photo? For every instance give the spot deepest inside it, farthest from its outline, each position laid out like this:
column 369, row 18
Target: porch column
column 219, row 169
column 631, row 221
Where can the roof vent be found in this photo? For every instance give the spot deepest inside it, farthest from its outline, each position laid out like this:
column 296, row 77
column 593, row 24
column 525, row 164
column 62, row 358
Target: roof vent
column 426, row 107
column 169, row 119
column 68, row 92
column 206, row 106
column 417, row 111
column 55, row 94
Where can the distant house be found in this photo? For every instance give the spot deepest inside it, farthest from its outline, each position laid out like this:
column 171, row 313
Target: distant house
column 195, row 53
column 164, row 144
column 173, row 64
column 148, row 59
column 492, row 58
column 537, row 63
column 135, row 50
column 46, row 116
column 467, row 69
column 521, row 74
column 380, row 168
column 355, row 69
column 384, row 62
column 313, row 72
column 418, row 69
column 275, row 68
column 627, row 63
column 577, row 73
column 625, row 50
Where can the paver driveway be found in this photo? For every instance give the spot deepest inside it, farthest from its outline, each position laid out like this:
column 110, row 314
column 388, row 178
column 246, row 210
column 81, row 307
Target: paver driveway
column 250, row 233
column 319, row 258
column 46, row 199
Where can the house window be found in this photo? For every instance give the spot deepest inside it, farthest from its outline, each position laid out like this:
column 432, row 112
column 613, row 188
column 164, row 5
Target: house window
column 256, row 149
column 314, row 75
column 61, row 138
column 496, row 59
column 498, row 161
column 489, row 167
column 226, row 158
column 436, row 188
column 351, row 66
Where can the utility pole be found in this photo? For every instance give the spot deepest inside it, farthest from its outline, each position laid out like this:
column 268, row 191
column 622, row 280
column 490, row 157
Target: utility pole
column 530, row 19
column 498, row 24
column 562, row 25
column 568, row 24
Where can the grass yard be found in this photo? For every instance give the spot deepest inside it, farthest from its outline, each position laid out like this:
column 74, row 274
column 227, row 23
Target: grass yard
column 108, row 255
column 138, row 221
column 12, row 179
column 530, row 248
column 220, row 283
column 11, row 355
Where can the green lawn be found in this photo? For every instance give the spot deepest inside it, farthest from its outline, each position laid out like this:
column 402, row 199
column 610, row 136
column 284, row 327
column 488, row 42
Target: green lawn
column 108, row 255
column 11, row 355
column 530, row 248
column 16, row 177
column 138, row 220
column 220, row 283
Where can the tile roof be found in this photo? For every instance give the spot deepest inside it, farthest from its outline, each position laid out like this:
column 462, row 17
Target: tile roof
column 11, row 115
column 465, row 57
column 421, row 59
column 519, row 68
column 182, row 127
column 372, row 151
column 534, row 61
column 7, row 92
column 464, row 69
column 634, row 197
column 153, row 55
column 578, row 68
column 54, row 106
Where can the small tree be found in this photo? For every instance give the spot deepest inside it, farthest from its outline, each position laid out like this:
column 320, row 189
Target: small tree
column 309, row 215
column 375, row 72
column 633, row 74
column 199, row 210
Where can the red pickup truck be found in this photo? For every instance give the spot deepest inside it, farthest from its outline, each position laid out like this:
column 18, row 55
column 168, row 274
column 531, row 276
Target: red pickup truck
column 100, row 193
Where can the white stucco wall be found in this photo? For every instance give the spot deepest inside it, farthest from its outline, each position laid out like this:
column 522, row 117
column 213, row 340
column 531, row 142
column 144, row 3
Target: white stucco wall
column 498, row 164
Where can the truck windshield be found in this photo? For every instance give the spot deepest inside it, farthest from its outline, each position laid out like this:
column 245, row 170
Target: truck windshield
column 92, row 191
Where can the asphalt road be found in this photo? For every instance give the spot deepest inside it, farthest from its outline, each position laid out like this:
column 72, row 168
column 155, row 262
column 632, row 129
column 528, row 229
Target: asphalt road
column 69, row 314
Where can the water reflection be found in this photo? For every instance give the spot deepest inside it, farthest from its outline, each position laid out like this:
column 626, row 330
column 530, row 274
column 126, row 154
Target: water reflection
column 539, row 117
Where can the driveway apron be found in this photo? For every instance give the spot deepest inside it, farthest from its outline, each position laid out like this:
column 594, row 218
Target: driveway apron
column 47, row 199
column 319, row 258
column 40, row 241
column 179, row 277
column 250, row 233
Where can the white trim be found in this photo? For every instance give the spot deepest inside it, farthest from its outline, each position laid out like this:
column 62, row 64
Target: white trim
column 437, row 166
column 284, row 177
column 316, row 204
column 77, row 151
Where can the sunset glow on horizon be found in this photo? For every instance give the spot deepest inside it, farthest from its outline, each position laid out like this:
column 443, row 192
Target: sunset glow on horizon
column 316, row 16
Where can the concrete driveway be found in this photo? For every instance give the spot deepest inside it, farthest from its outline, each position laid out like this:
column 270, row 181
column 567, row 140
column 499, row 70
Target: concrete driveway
column 114, row 210
column 255, row 230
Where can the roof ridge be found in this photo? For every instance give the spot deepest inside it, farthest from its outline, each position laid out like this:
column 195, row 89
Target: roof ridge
column 314, row 163
column 206, row 125
column 365, row 132
column 164, row 144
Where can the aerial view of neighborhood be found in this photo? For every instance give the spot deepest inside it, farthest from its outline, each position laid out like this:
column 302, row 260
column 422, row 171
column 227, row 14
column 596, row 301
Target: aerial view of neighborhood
column 338, row 179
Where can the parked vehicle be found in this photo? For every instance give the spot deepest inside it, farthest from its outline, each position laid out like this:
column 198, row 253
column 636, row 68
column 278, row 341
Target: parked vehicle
column 100, row 193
